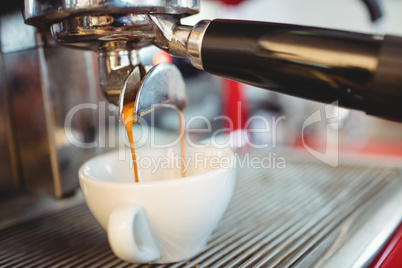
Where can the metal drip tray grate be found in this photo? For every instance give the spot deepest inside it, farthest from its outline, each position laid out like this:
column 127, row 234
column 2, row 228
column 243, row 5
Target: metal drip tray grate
column 307, row 214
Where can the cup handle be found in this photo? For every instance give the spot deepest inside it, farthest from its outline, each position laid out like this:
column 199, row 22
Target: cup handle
column 130, row 235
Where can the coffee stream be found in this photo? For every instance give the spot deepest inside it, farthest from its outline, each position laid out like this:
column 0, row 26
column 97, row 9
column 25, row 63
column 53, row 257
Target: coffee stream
column 182, row 141
column 128, row 121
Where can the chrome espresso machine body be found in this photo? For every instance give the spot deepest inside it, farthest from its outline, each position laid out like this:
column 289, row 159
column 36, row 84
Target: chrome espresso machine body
column 40, row 83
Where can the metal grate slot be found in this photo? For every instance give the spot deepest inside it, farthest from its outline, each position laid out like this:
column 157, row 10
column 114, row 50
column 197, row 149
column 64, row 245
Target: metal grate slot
column 277, row 217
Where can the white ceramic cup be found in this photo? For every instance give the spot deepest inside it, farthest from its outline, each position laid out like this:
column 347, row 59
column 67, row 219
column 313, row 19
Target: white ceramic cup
column 163, row 218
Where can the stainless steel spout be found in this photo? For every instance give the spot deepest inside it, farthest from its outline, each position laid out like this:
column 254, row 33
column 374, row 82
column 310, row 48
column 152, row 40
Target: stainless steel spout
column 163, row 85
column 117, row 30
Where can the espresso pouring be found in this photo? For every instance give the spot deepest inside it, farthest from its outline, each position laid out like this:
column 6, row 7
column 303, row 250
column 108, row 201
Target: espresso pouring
column 128, row 121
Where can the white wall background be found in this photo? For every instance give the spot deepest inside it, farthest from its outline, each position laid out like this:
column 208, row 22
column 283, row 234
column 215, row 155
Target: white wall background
column 340, row 14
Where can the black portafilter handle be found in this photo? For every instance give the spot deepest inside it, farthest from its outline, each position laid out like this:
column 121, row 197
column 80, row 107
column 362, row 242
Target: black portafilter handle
column 360, row 71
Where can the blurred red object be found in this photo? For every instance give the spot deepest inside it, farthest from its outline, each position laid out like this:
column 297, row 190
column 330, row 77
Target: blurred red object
column 234, row 104
column 391, row 255
column 161, row 57
column 231, row 2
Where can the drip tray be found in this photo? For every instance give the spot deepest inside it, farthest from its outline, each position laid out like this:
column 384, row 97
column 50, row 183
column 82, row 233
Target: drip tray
column 307, row 214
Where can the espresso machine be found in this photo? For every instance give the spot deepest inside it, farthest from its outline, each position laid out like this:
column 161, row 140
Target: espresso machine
column 46, row 69
column 78, row 47
column 36, row 157
column 361, row 71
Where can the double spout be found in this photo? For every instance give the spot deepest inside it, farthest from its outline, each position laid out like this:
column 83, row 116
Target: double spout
column 118, row 39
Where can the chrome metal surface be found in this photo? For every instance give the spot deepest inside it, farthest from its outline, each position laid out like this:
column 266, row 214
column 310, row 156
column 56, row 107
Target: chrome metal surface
column 163, row 85
column 64, row 88
column 132, row 31
column 93, row 31
column 27, row 206
column 304, row 215
column 15, row 35
column 194, row 43
column 171, row 36
column 9, row 175
column 117, row 38
column 115, row 65
column 37, row 12
column 130, row 89
column 40, row 84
